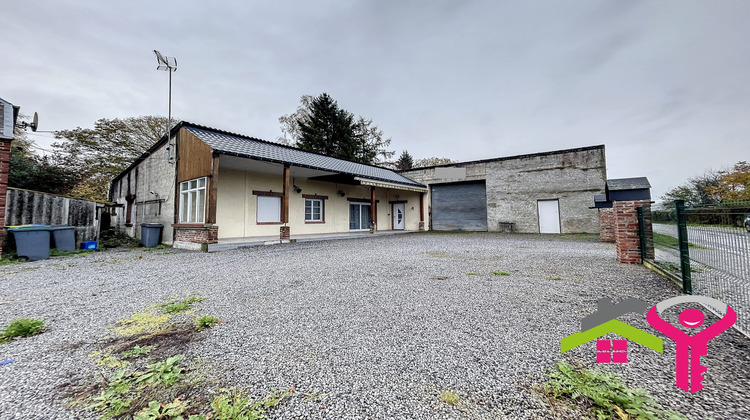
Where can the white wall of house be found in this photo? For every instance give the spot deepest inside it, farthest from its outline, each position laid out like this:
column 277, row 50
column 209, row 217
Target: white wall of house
column 153, row 174
column 237, row 206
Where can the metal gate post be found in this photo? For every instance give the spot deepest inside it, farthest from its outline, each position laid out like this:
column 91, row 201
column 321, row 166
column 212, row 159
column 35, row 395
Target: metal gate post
column 682, row 237
column 641, row 233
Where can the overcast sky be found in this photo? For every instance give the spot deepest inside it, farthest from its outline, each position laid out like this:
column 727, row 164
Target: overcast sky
column 664, row 85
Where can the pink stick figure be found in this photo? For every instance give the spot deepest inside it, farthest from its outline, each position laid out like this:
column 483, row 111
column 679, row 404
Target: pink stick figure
column 689, row 372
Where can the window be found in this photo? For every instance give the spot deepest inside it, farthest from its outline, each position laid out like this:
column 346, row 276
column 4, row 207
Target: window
column 313, row 210
column 193, row 201
column 269, row 209
column 611, row 351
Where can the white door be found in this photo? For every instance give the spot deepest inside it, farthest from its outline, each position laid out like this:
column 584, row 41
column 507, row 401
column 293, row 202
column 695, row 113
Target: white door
column 399, row 216
column 549, row 216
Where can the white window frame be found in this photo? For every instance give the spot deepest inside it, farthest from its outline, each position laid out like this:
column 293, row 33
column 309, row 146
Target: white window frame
column 273, row 204
column 312, row 218
column 190, row 191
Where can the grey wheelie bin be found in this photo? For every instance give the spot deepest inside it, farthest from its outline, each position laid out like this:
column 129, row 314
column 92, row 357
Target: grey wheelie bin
column 151, row 234
column 32, row 242
column 64, row 237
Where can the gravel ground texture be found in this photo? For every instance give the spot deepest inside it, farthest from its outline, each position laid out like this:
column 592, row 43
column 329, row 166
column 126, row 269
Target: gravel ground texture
column 381, row 326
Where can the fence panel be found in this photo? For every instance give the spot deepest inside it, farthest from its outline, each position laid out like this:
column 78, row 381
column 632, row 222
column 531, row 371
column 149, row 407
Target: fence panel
column 720, row 256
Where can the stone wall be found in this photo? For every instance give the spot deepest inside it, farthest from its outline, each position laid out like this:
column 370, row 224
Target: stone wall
column 515, row 184
column 25, row 207
column 147, row 193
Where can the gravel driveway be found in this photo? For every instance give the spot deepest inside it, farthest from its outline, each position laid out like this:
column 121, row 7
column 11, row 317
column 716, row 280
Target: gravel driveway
column 381, row 325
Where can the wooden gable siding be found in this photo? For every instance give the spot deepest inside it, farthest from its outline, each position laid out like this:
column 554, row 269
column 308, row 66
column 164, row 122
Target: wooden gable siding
column 194, row 157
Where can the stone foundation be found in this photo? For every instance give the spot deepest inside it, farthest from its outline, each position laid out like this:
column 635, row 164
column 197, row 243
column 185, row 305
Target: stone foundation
column 285, row 232
column 195, row 237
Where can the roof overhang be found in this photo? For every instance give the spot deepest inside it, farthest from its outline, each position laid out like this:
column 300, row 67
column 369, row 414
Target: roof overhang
column 391, row 185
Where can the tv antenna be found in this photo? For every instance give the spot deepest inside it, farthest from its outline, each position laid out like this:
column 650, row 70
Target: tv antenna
column 167, row 64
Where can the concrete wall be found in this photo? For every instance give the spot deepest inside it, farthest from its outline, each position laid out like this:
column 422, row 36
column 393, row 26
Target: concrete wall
column 236, row 205
column 31, row 207
column 515, row 184
column 153, row 174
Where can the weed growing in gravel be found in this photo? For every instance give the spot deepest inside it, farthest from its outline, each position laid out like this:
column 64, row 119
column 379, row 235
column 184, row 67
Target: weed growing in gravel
column 158, row 411
column 141, row 322
column 501, row 273
column 604, row 393
column 167, row 372
column 136, row 351
column 314, row 395
column 553, row 278
column 181, row 306
column 471, row 273
column 449, row 398
column 205, row 321
column 22, row 327
column 234, row 404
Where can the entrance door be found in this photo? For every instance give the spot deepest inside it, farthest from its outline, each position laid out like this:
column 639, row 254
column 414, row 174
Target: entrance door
column 399, row 216
column 359, row 216
column 549, row 216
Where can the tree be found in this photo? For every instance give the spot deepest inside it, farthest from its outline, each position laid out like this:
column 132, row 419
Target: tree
column 319, row 125
column 99, row 154
column 405, row 161
column 733, row 184
column 39, row 173
column 432, row 161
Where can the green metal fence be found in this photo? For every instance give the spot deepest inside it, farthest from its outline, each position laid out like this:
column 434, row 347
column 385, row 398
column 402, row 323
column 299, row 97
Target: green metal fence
column 706, row 249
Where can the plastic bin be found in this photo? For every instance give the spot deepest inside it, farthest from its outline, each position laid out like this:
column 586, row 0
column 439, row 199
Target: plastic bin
column 32, row 242
column 64, row 237
column 151, row 234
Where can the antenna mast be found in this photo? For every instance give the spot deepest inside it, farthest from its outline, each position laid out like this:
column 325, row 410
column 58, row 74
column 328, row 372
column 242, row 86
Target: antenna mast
column 167, row 64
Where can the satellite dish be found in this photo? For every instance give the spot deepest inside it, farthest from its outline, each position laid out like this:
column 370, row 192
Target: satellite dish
column 35, row 123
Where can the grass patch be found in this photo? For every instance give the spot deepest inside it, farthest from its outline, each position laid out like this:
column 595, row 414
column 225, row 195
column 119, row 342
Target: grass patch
column 180, row 306
column 501, row 273
column 79, row 252
column 205, row 321
column 671, row 241
column 449, row 398
column 22, row 327
column 603, row 395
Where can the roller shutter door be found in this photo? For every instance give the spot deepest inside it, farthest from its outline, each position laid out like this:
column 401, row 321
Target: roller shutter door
column 459, row 206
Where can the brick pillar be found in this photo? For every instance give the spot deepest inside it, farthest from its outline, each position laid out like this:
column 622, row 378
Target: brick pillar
column 607, row 224
column 285, row 233
column 4, row 172
column 627, row 238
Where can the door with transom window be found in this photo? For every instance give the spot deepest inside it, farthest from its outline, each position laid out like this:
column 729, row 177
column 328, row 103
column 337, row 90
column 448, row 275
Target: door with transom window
column 399, row 216
column 359, row 216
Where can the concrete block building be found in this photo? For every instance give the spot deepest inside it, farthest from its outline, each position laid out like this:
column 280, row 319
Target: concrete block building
column 546, row 192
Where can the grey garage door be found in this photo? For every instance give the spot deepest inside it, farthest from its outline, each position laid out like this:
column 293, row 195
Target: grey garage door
column 459, row 206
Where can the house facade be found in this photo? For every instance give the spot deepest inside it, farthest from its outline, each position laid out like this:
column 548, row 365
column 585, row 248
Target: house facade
column 206, row 185
column 547, row 192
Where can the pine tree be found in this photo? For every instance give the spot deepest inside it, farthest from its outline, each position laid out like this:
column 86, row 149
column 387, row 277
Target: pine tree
column 405, row 161
column 320, row 126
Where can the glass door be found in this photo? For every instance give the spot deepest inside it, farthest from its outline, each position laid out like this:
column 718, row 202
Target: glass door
column 359, row 216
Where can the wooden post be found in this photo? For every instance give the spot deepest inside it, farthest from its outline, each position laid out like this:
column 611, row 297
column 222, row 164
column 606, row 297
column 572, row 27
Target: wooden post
column 213, row 191
column 285, row 196
column 421, row 207
column 373, row 208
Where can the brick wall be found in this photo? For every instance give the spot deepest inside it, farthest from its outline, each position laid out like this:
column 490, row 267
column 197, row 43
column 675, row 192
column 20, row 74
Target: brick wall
column 607, row 224
column 627, row 238
column 197, row 235
column 4, row 171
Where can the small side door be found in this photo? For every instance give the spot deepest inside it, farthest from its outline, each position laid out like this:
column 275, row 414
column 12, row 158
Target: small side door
column 399, row 216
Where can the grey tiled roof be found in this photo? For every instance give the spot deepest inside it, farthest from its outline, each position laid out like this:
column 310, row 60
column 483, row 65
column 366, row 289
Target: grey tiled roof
column 249, row 147
column 628, row 184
